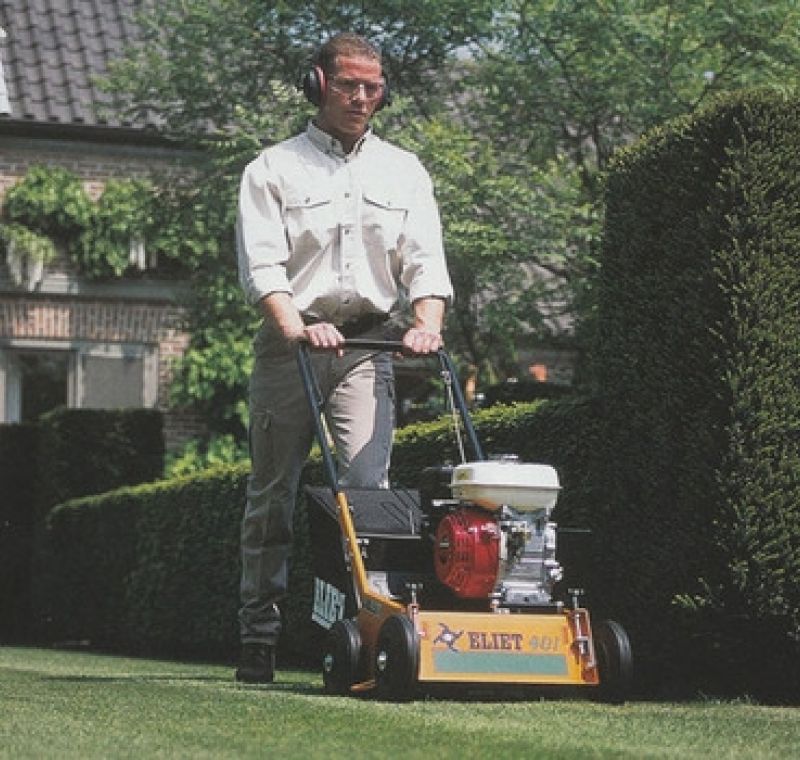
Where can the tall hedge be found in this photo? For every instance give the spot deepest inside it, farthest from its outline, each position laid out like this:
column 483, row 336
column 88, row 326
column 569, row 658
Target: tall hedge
column 67, row 453
column 699, row 375
column 17, row 488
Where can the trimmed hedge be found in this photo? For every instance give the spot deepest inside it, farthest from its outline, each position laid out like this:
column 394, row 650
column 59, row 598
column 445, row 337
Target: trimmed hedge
column 17, row 489
column 155, row 569
column 563, row 434
column 68, row 452
column 88, row 451
column 699, row 327
column 150, row 569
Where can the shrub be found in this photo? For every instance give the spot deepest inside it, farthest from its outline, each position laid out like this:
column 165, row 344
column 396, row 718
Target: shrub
column 90, row 451
column 17, row 483
column 700, row 383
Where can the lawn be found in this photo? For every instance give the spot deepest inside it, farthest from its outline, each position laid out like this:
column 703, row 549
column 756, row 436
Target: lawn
column 61, row 704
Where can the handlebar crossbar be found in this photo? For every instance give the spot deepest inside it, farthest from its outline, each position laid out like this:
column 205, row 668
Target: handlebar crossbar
column 367, row 344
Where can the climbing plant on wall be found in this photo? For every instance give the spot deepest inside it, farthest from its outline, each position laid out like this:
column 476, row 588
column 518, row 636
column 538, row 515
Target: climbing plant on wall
column 49, row 211
column 27, row 253
column 121, row 218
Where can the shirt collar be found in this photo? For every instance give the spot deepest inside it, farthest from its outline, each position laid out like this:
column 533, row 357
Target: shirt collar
column 330, row 146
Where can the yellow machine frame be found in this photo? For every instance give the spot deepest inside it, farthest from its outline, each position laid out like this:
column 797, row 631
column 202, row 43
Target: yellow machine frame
column 468, row 647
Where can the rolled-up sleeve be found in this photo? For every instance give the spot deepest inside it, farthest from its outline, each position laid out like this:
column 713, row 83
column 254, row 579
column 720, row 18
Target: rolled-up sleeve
column 424, row 267
column 261, row 246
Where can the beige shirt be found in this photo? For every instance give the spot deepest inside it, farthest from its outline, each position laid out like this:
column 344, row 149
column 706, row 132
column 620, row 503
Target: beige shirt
column 345, row 235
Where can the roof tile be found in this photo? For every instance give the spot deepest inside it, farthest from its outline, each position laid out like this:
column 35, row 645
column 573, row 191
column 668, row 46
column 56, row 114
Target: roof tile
column 52, row 53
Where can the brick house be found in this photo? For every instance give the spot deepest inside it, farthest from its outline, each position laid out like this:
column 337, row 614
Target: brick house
column 65, row 339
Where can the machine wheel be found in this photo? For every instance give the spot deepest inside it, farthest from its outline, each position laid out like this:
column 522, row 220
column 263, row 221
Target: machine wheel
column 341, row 657
column 614, row 661
column 396, row 659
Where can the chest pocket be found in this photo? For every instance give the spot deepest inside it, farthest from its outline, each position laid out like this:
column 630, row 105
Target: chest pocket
column 310, row 219
column 384, row 216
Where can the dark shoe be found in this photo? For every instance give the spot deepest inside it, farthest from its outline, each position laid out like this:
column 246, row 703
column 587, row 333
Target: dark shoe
column 256, row 664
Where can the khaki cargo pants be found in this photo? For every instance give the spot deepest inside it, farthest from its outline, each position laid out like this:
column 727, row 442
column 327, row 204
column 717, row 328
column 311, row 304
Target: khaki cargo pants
column 359, row 408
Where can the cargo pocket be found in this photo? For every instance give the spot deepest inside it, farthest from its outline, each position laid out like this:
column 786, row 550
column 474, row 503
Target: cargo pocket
column 384, row 215
column 310, row 219
column 261, row 447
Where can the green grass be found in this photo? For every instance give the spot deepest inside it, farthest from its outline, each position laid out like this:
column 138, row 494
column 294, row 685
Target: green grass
column 58, row 704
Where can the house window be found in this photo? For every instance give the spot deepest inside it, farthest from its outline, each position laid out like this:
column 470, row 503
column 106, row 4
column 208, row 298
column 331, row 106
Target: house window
column 43, row 378
column 112, row 380
column 35, row 378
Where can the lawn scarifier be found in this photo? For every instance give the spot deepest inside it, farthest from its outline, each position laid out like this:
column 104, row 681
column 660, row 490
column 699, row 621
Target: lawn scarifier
column 452, row 584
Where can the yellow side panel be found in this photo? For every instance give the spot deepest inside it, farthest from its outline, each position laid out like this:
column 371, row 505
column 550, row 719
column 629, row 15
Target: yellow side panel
column 485, row 647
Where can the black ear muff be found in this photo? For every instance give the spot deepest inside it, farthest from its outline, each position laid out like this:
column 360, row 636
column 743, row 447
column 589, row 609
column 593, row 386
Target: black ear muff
column 314, row 85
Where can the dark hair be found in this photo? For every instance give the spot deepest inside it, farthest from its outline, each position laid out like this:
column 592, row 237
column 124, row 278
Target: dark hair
column 347, row 44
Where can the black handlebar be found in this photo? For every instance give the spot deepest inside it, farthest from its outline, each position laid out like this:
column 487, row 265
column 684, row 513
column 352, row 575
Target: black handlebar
column 396, row 346
column 367, row 344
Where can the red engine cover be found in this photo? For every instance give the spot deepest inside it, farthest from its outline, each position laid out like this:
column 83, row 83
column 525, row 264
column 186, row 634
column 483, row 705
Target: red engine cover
column 467, row 554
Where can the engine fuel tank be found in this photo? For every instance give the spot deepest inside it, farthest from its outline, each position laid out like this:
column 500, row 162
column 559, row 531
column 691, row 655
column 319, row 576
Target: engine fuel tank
column 493, row 484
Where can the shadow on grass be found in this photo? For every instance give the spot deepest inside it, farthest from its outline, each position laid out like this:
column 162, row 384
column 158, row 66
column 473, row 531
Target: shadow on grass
column 295, row 686
column 133, row 677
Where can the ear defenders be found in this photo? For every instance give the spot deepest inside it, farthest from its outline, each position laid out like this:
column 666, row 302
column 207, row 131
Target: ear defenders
column 315, row 86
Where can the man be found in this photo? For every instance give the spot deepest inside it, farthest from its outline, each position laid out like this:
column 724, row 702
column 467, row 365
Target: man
column 336, row 227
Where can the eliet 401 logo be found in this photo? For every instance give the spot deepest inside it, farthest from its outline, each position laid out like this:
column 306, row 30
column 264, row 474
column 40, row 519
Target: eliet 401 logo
column 493, row 641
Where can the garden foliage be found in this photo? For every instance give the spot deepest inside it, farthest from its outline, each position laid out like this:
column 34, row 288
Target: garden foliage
column 65, row 454
column 17, row 490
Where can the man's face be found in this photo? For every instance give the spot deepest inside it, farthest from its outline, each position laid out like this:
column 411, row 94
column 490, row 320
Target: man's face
column 353, row 93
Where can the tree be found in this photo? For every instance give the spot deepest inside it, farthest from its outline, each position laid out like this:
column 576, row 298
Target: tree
column 512, row 240
column 514, row 107
column 201, row 65
column 570, row 83
column 583, row 79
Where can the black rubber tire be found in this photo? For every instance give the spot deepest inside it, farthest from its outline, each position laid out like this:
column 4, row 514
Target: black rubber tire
column 341, row 657
column 614, row 661
column 397, row 659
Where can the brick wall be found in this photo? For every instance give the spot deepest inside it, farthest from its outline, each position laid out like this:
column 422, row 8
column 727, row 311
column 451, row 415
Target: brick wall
column 72, row 319
column 40, row 316
column 94, row 164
